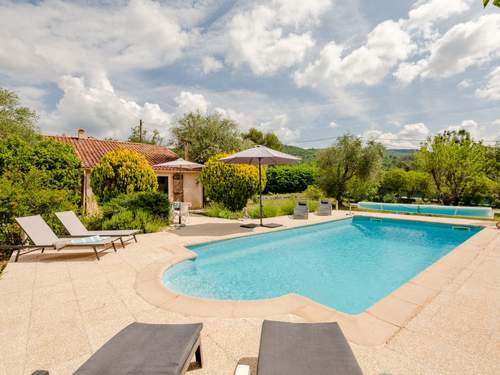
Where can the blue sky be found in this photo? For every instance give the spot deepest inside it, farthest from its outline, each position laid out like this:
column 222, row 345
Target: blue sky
column 394, row 71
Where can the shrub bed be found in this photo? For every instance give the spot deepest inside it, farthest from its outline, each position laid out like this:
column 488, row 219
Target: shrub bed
column 278, row 207
column 147, row 211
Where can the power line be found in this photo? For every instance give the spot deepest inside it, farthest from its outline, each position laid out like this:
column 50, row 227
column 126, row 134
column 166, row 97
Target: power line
column 383, row 139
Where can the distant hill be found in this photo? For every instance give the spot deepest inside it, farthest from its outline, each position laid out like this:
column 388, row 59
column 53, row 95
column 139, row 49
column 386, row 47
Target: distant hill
column 401, row 158
column 401, row 152
column 307, row 154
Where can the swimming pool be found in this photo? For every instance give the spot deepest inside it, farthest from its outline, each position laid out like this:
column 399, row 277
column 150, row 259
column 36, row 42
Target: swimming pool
column 347, row 264
column 429, row 209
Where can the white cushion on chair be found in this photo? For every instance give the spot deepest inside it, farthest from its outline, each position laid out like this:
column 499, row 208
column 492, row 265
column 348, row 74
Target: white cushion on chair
column 242, row 370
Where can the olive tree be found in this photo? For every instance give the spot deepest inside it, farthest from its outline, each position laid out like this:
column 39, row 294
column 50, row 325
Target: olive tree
column 456, row 163
column 15, row 119
column 347, row 159
column 270, row 140
column 199, row 137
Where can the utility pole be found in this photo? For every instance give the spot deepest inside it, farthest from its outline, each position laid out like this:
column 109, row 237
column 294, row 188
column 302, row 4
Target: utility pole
column 186, row 151
column 140, row 130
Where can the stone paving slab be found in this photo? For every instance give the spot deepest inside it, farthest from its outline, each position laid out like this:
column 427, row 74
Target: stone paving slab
column 56, row 309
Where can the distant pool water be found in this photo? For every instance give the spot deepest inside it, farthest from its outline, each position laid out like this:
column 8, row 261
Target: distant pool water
column 346, row 264
column 429, row 209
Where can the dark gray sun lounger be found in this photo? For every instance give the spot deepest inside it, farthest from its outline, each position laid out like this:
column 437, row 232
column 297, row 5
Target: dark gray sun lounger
column 147, row 349
column 75, row 228
column 42, row 238
column 305, row 349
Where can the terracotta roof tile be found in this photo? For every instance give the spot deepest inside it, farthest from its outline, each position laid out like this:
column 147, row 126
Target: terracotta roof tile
column 91, row 150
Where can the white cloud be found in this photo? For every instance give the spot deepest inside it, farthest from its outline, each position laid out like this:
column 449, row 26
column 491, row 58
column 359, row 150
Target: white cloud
column 408, row 71
column 100, row 110
column 43, row 41
column 265, row 49
column 464, row 84
column 190, row 102
column 491, row 90
column 278, row 125
column 486, row 131
column 333, row 125
column 386, row 45
column 93, row 104
column 244, row 121
column 410, row 136
column 30, row 96
column 210, row 64
column 424, row 14
column 462, row 46
column 300, row 13
column 266, row 38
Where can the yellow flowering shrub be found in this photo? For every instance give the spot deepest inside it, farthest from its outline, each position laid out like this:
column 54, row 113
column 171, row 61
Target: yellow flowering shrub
column 122, row 171
column 230, row 184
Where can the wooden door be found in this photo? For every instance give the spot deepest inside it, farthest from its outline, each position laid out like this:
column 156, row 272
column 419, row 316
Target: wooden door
column 178, row 184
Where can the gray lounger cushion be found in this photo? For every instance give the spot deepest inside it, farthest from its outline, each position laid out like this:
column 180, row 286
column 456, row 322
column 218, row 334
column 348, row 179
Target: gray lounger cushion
column 305, row 349
column 144, row 349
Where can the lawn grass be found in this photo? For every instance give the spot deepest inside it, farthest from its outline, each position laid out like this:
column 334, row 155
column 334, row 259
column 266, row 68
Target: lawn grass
column 271, row 207
column 277, row 207
column 218, row 210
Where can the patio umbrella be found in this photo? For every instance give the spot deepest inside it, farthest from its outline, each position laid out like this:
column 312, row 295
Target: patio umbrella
column 180, row 163
column 261, row 155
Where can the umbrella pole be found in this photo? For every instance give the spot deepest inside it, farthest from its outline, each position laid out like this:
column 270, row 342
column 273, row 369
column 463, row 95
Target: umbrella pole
column 260, row 193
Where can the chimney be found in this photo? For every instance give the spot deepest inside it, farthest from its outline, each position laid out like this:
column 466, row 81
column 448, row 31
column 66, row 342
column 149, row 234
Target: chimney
column 81, row 134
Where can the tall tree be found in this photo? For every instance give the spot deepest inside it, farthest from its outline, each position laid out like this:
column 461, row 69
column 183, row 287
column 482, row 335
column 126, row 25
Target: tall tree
column 135, row 136
column 455, row 162
column 346, row 160
column 199, row 137
column 270, row 140
column 15, row 119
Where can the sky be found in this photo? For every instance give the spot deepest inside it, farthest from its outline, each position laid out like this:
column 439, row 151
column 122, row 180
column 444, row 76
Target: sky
column 396, row 71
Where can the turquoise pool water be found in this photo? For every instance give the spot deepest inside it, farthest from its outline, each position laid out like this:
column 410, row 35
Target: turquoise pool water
column 348, row 264
column 429, row 209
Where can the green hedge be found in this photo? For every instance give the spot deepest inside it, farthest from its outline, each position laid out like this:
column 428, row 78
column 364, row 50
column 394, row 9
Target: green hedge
column 40, row 177
column 290, row 178
column 147, row 211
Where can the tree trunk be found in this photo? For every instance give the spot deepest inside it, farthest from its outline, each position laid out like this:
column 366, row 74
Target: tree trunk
column 338, row 197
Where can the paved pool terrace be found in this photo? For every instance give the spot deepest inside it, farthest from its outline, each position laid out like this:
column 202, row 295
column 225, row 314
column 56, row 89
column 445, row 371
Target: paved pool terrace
column 56, row 309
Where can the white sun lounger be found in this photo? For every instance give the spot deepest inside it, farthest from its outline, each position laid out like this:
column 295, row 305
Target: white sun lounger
column 76, row 229
column 42, row 237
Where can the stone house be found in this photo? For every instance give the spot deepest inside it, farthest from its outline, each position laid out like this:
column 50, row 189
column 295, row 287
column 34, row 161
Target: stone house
column 178, row 181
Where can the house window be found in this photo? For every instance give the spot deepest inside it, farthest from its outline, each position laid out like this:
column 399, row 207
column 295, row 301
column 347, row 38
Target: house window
column 163, row 184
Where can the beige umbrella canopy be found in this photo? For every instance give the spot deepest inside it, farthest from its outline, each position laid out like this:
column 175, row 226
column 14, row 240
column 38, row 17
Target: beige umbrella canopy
column 180, row 163
column 261, row 155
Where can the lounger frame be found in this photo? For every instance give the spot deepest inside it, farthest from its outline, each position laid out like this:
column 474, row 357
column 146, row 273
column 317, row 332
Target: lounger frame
column 32, row 248
column 84, row 232
column 198, row 356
